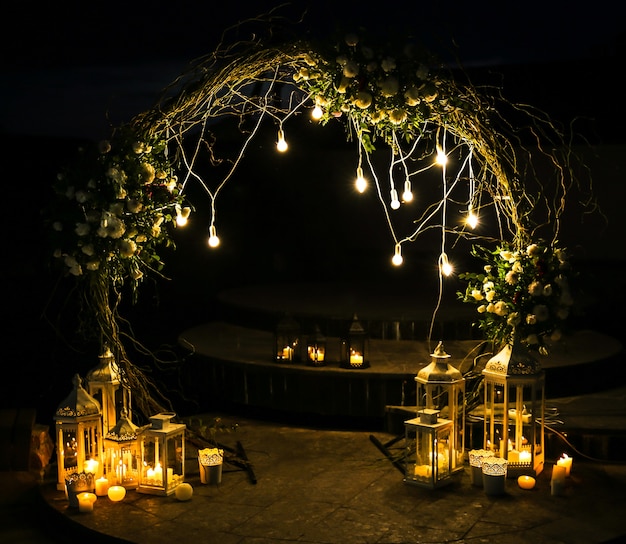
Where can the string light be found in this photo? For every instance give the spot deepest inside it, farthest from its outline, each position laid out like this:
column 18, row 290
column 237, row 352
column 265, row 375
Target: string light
column 360, row 182
column 397, row 256
column 442, row 158
column 214, row 240
column 407, row 195
column 182, row 215
column 317, row 112
column 472, row 219
column 444, row 265
column 281, row 144
column 395, row 203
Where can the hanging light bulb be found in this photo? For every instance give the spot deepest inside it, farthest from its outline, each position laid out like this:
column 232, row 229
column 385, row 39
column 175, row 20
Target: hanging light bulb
column 317, row 112
column 281, row 144
column 182, row 215
column 407, row 195
column 472, row 219
column 214, row 240
column 444, row 265
column 397, row 256
column 395, row 203
column 442, row 158
column 360, row 183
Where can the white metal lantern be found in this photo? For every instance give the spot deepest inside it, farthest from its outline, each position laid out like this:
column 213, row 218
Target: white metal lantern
column 162, row 454
column 514, row 410
column 121, row 453
column 429, row 451
column 105, row 385
column 78, row 422
column 355, row 348
column 287, row 341
column 441, row 387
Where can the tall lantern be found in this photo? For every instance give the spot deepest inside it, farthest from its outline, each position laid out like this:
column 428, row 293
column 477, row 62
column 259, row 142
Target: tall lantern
column 355, row 348
column 78, row 422
column 429, row 450
column 287, row 340
column 121, row 453
column 441, row 387
column 162, row 445
column 105, row 385
column 514, row 386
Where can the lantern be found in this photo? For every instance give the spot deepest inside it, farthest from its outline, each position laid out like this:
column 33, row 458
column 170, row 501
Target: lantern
column 104, row 384
column 316, row 349
column 78, row 423
column 121, row 453
column 429, row 450
column 162, row 455
column 355, row 348
column 441, row 387
column 514, row 410
column 287, row 341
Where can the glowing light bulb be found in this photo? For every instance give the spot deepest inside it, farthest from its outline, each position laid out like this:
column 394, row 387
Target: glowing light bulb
column 471, row 220
column 407, row 195
column 395, row 203
column 444, row 265
column 317, row 112
column 442, row 158
column 182, row 215
column 397, row 256
column 214, row 240
column 360, row 183
column 281, row 144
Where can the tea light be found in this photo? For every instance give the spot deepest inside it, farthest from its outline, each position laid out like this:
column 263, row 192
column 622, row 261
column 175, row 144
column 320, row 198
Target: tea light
column 526, row 482
column 85, row 502
column 116, row 493
column 183, row 492
column 102, row 486
column 565, row 461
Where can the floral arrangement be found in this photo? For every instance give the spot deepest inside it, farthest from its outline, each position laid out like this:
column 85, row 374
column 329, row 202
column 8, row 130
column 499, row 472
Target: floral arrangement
column 521, row 292
column 381, row 90
column 112, row 209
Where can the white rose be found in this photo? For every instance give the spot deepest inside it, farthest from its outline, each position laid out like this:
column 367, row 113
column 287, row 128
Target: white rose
column 363, row 100
column 535, row 289
column 351, row 69
column 482, row 309
column 477, row 294
column 490, row 295
column 501, row 308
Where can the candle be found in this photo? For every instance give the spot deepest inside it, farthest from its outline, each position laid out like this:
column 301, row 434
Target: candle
column 526, row 482
column 316, row 354
column 183, row 492
column 102, row 486
column 356, row 359
column 524, row 456
column 116, row 493
column 565, row 461
column 91, row 465
column 85, row 502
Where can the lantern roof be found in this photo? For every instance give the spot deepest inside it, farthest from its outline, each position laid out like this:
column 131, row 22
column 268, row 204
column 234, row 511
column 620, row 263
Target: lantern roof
column 78, row 403
column 356, row 327
column 106, row 371
column 513, row 360
column 125, row 430
column 439, row 369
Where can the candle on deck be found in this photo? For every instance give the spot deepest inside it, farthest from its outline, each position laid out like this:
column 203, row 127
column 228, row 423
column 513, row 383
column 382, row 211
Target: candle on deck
column 85, row 502
column 526, row 482
column 102, row 486
column 565, row 461
column 116, row 493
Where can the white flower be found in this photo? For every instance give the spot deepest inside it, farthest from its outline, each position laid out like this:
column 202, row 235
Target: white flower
column 412, row 96
column 397, row 116
column 547, row 290
column 533, row 249
column 88, row 249
column 506, row 255
column 343, row 85
column 389, row 87
column 487, row 268
column 501, row 308
column 491, row 308
column 350, row 69
column 490, row 295
column 127, row 248
column 511, row 277
column 535, row 289
column 363, row 100
column 92, row 265
column 477, row 294
column 488, row 285
column 517, row 267
column 146, row 172
column 531, row 319
column 482, row 309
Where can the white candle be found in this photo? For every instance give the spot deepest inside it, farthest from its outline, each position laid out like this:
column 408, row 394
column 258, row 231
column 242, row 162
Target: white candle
column 526, row 482
column 102, row 486
column 356, row 359
column 524, row 456
column 116, row 493
column 565, row 461
column 183, row 492
column 91, row 465
column 85, row 502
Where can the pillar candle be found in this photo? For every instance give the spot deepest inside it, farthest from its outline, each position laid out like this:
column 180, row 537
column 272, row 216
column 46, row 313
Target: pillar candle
column 116, row 493
column 102, row 486
column 85, row 502
column 565, row 461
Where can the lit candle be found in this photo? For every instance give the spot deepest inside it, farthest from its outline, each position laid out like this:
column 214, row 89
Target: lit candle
column 316, row 354
column 526, row 482
column 557, row 483
column 287, row 353
column 116, row 493
column 524, row 456
column 514, row 456
column 183, row 492
column 565, row 461
column 102, row 486
column 356, row 359
column 91, row 465
column 85, row 502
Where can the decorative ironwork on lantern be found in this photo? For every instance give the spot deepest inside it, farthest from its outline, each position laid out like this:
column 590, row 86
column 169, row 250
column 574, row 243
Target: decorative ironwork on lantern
column 514, row 387
column 429, row 450
column 441, row 387
column 355, row 347
column 287, row 340
column 121, row 453
column 78, row 422
column 105, row 385
column 316, row 348
column 162, row 445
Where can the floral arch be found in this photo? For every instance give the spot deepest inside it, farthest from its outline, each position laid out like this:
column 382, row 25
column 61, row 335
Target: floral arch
column 116, row 207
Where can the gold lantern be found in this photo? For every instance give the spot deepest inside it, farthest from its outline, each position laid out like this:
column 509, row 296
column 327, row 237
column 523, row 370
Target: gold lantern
column 78, row 422
column 514, row 410
column 104, row 384
column 429, row 450
column 287, row 340
column 316, row 349
column 162, row 455
column 355, row 348
column 121, row 453
column 441, row 387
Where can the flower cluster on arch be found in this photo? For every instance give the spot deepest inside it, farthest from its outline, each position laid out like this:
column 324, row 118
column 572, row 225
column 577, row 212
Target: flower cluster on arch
column 113, row 207
column 525, row 292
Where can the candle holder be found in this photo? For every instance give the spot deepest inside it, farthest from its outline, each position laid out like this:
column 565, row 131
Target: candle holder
column 494, row 475
column 211, row 461
column 287, row 341
column 476, row 465
column 316, row 349
column 355, row 347
column 76, row 483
